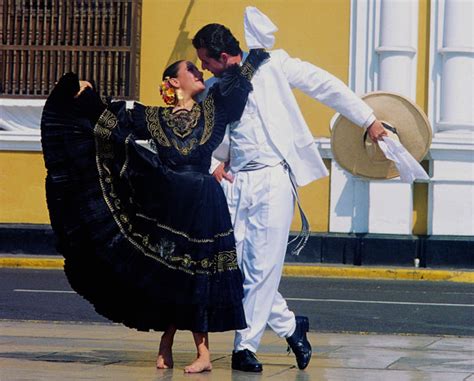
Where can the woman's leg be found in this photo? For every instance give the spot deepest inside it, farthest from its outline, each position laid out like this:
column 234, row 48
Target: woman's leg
column 203, row 360
column 165, row 354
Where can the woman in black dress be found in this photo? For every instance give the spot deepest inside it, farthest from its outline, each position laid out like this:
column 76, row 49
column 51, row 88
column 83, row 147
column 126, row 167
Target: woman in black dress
column 146, row 234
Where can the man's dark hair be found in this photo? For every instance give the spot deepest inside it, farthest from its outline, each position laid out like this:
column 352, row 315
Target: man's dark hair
column 172, row 70
column 217, row 39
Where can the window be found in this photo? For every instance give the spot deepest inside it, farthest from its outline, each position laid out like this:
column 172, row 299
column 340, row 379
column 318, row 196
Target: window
column 42, row 39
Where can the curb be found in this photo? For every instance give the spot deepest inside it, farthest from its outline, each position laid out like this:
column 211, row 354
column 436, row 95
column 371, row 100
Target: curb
column 309, row 270
column 48, row 263
column 303, row 270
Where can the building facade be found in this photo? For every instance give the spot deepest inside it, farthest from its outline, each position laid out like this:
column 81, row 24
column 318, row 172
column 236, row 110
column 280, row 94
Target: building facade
column 418, row 48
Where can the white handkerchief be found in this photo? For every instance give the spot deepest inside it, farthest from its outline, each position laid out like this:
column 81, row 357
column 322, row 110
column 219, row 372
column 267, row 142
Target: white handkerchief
column 410, row 170
column 259, row 29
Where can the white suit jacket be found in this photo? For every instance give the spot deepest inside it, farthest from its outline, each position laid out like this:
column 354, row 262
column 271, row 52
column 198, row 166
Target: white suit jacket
column 282, row 117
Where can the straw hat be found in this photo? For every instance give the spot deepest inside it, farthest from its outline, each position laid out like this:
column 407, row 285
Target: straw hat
column 404, row 120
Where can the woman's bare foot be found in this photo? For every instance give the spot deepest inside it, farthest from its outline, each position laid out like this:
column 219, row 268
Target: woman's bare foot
column 201, row 364
column 164, row 359
column 165, row 353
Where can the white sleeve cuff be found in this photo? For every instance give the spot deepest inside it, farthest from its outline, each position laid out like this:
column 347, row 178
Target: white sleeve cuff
column 214, row 164
column 369, row 121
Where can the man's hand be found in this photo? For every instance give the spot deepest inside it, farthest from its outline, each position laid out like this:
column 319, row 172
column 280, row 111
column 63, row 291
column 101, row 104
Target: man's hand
column 220, row 173
column 376, row 131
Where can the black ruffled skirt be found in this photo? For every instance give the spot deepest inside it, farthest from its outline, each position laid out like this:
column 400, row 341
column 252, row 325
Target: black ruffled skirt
column 148, row 246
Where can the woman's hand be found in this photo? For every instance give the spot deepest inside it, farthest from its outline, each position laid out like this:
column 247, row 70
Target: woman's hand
column 82, row 86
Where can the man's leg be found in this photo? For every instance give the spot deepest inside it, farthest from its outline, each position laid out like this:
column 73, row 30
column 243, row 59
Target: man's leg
column 261, row 205
column 267, row 220
column 281, row 320
column 238, row 201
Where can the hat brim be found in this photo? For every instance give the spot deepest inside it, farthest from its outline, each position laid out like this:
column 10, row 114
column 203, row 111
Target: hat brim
column 411, row 123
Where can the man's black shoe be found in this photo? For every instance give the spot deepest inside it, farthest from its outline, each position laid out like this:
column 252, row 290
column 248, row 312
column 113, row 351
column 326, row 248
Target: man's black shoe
column 299, row 343
column 246, row 361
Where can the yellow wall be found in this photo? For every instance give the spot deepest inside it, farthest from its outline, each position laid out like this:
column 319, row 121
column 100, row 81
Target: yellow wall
column 316, row 31
column 22, row 192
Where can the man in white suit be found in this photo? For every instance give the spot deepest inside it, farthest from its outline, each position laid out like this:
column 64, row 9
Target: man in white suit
column 270, row 148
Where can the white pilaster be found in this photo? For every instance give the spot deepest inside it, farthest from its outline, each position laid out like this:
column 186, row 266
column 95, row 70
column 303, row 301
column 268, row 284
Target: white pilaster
column 391, row 202
column 349, row 198
column 384, row 37
column 451, row 112
column 349, row 202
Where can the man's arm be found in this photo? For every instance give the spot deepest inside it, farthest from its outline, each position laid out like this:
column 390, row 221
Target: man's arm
column 220, row 173
column 331, row 91
column 219, row 157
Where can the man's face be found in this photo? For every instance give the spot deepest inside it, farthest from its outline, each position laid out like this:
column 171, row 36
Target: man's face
column 216, row 67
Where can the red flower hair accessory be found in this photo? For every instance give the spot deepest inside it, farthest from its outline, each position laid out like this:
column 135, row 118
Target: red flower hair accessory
column 168, row 92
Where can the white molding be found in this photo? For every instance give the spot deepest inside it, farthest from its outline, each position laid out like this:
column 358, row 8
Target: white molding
column 20, row 122
column 324, row 147
column 22, row 102
column 396, row 49
column 19, row 137
column 24, row 141
column 456, row 49
column 450, row 145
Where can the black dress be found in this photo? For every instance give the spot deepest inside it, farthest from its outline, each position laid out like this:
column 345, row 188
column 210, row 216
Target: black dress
column 147, row 237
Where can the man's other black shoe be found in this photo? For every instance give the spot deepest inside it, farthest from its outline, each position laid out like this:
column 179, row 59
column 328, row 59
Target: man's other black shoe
column 246, row 361
column 299, row 343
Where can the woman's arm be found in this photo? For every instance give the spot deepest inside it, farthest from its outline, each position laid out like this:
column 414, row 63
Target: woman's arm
column 226, row 100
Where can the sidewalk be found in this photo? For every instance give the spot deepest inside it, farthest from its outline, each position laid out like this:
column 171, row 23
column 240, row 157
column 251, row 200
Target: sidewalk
column 34, row 350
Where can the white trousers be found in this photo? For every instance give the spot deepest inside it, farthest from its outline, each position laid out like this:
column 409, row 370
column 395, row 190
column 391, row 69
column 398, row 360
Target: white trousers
column 261, row 205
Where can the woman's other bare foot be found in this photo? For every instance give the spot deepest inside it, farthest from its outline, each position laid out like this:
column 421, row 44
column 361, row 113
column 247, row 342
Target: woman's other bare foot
column 165, row 353
column 201, row 364
column 164, row 359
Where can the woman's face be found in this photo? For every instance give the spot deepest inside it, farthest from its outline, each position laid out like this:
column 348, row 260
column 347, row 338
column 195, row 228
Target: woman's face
column 190, row 79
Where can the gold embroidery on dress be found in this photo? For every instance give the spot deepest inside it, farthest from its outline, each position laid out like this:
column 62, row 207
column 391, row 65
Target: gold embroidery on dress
column 127, row 156
column 105, row 124
column 247, row 70
column 184, row 148
column 209, row 110
column 225, row 259
column 182, row 122
column 190, row 239
column 154, row 126
column 164, row 250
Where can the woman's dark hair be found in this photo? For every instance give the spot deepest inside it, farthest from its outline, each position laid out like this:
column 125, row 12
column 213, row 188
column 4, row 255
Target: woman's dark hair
column 172, row 70
column 217, row 39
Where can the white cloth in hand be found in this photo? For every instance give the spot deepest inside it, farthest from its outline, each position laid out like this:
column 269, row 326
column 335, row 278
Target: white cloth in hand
column 410, row 170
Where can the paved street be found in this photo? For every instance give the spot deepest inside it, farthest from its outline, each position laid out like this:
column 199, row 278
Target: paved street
column 47, row 332
column 333, row 305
